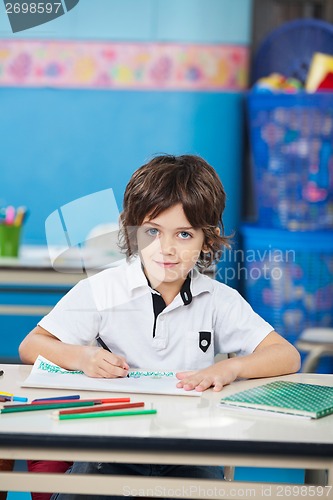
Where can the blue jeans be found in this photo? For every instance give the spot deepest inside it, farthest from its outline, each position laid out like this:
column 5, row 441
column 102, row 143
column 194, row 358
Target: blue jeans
column 184, row 471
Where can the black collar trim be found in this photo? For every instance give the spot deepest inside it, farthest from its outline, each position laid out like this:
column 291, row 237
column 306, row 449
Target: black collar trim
column 185, row 291
column 158, row 302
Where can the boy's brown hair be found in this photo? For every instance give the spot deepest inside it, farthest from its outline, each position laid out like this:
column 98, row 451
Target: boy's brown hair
column 166, row 181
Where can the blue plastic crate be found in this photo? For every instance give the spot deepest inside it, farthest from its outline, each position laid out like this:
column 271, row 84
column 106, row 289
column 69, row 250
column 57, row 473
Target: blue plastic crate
column 291, row 138
column 289, row 48
column 288, row 278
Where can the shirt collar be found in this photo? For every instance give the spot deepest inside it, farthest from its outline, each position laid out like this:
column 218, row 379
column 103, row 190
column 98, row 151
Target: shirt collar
column 200, row 283
column 185, row 291
column 135, row 276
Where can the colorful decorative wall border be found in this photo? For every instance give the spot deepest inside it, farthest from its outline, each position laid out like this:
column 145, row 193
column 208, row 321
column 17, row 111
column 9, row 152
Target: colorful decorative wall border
column 107, row 65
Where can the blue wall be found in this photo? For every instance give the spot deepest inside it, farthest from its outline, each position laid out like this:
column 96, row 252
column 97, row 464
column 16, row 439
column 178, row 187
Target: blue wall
column 60, row 144
column 202, row 21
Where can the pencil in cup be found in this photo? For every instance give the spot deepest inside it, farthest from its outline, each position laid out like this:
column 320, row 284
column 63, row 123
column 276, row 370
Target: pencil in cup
column 73, row 416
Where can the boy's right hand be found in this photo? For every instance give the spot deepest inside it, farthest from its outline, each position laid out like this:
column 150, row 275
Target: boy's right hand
column 97, row 362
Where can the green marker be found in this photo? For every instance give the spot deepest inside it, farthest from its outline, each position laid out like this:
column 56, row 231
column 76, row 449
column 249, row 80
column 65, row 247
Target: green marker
column 105, row 414
column 53, row 406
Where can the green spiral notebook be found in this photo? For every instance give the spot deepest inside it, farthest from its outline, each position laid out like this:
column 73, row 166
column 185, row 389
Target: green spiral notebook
column 308, row 400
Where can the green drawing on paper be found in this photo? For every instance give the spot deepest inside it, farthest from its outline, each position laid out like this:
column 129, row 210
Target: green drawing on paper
column 150, row 374
column 50, row 368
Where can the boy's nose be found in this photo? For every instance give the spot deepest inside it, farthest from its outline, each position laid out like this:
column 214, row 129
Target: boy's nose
column 167, row 246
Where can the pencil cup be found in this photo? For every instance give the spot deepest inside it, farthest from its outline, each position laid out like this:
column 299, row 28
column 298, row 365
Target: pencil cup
column 9, row 240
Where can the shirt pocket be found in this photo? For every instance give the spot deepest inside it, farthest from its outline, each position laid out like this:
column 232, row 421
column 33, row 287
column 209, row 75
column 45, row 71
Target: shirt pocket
column 199, row 349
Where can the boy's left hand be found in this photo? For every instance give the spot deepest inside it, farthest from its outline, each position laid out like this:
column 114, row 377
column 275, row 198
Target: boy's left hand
column 216, row 376
column 273, row 356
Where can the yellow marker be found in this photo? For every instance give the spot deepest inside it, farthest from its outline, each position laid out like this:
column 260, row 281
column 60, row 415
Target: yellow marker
column 19, row 216
column 6, row 394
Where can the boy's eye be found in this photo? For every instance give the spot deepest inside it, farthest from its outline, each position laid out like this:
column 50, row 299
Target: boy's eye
column 152, row 231
column 185, row 235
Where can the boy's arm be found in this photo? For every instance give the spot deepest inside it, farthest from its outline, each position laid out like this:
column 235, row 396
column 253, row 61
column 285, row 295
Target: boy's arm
column 92, row 360
column 273, row 356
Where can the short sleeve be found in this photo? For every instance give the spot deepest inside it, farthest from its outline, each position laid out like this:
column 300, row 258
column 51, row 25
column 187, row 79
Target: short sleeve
column 238, row 328
column 75, row 318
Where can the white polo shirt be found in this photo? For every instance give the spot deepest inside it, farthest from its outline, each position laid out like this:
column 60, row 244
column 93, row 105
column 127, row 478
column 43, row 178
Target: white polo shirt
column 117, row 305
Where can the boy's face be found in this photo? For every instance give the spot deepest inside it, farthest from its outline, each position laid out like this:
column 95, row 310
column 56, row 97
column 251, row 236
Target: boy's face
column 169, row 247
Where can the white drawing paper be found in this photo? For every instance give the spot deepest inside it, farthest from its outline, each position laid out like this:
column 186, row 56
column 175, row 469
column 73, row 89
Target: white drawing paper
column 48, row 375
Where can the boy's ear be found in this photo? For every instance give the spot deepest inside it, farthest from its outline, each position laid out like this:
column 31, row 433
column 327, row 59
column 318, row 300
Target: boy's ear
column 205, row 248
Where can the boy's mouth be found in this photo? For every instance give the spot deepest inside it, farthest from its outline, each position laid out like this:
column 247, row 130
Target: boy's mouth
column 166, row 264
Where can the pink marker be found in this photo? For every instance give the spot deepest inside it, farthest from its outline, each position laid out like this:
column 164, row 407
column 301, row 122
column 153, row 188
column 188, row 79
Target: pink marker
column 10, row 215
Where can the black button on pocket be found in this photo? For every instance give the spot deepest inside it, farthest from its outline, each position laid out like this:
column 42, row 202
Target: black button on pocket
column 204, row 340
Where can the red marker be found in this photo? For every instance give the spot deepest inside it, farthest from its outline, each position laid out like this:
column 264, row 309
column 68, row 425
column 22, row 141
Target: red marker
column 101, row 408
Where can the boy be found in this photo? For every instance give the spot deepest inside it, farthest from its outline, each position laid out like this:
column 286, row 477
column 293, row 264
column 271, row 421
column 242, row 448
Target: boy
column 156, row 310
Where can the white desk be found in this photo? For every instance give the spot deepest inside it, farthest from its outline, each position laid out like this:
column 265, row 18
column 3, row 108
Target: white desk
column 185, row 430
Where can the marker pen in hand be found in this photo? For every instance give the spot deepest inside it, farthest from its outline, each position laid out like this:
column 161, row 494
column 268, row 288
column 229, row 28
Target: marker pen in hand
column 103, row 344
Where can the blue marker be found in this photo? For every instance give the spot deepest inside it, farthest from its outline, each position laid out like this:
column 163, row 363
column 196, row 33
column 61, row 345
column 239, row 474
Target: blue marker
column 75, row 396
column 10, row 397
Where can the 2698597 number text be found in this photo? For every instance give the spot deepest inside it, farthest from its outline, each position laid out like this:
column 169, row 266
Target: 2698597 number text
column 33, row 7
